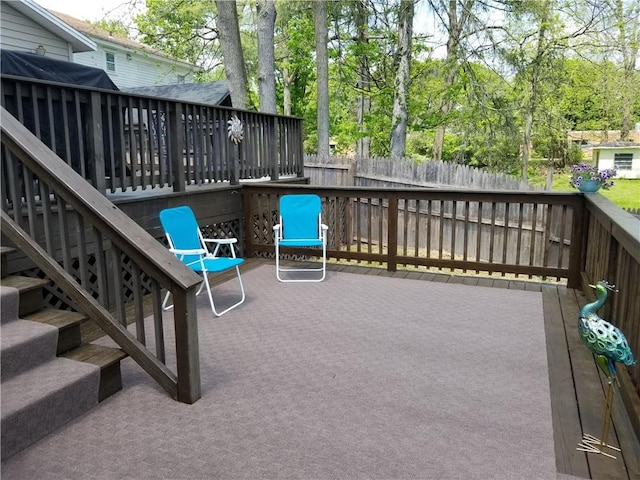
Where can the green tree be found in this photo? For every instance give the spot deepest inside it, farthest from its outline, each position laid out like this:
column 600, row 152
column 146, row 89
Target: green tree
column 322, row 76
column 295, row 69
column 116, row 27
column 539, row 36
column 266, row 10
column 621, row 41
column 399, row 118
column 184, row 30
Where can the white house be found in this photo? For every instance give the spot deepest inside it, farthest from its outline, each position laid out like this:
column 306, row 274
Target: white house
column 127, row 62
column 27, row 27
column 624, row 156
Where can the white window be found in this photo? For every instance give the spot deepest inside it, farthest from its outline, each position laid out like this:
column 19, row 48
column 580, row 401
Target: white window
column 110, row 58
column 623, row 160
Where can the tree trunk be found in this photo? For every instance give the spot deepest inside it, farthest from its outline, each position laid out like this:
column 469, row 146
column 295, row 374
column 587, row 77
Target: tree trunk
column 287, row 79
column 454, row 27
column 266, row 10
column 232, row 55
column 322, row 59
column 530, row 108
column 403, row 76
column 629, row 42
column 363, row 85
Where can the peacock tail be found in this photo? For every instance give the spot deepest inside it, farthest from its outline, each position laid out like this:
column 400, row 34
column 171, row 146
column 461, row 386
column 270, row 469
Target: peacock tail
column 602, row 338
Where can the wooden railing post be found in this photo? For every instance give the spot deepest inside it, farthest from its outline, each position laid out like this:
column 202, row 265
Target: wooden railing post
column 96, row 166
column 272, row 128
column 392, row 240
column 299, row 149
column 247, row 201
column 235, row 154
column 187, row 350
column 175, row 137
column 578, row 246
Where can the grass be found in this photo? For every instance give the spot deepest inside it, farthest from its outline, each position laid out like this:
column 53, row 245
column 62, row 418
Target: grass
column 625, row 192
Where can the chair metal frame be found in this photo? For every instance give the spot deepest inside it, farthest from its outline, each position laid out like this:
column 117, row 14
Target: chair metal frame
column 201, row 260
column 292, row 206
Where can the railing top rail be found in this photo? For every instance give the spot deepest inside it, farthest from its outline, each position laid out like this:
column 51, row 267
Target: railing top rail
column 130, row 237
column 124, row 93
column 449, row 193
column 621, row 224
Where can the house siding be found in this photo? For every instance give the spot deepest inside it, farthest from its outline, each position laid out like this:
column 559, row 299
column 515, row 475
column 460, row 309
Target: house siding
column 23, row 34
column 142, row 70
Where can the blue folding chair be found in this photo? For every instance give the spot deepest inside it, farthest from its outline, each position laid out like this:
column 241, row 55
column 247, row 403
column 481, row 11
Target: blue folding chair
column 186, row 242
column 300, row 226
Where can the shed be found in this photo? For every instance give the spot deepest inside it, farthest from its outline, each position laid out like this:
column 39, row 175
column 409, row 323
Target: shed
column 625, row 156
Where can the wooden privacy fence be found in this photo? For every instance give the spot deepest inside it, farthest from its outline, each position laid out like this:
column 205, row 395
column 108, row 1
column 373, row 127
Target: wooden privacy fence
column 120, row 141
column 451, row 226
column 523, row 233
column 385, row 172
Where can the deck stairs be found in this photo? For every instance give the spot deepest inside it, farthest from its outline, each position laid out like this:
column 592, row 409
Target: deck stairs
column 48, row 375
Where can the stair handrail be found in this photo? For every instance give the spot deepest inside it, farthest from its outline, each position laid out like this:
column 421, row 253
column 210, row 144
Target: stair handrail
column 131, row 239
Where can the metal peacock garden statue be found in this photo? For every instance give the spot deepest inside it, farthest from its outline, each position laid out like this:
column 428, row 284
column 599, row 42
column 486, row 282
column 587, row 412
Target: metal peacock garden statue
column 609, row 347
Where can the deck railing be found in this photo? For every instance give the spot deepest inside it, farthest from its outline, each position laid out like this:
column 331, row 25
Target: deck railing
column 566, row 237
column 99, row 258
column 612, row 253
column 523, row 233
column 120, row 141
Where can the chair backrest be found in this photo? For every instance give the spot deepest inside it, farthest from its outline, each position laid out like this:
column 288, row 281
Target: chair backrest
column 181, row 227
column 300, row 216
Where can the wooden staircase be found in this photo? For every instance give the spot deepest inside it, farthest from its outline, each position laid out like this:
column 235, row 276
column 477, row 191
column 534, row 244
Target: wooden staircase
column 25, row 355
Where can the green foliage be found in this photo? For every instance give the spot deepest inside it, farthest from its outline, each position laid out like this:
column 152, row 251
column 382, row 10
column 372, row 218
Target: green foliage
column 116, row 27
column 183, row 30
column 579, row 81
column 420, row 147
column 294, row 33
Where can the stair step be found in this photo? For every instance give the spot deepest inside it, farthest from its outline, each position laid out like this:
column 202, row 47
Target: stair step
column 108, row 359
column 41, row 400
column 67, row 322
column 4, row 253
column 9, row 304
column 25, row 345
column 30, row 288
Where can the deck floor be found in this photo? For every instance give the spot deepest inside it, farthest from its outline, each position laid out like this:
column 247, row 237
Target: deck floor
column 577, row 387
column 576, row 396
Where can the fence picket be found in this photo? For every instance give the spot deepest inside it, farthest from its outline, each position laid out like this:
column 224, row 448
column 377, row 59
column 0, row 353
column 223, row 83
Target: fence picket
column 385, row 172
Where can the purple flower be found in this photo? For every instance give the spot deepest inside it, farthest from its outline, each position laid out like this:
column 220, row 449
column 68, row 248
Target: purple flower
column 584, row 171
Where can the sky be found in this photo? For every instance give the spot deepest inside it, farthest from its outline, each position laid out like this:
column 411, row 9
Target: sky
column 87, row 9
column 122, row 9
column 97, row 9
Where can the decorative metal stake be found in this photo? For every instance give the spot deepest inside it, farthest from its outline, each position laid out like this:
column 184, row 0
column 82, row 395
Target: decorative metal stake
column 592, row 444
column 609, row 346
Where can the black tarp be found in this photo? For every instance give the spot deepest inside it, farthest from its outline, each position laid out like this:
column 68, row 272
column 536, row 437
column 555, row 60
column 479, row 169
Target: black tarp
column 30, row 65
column 65, row 141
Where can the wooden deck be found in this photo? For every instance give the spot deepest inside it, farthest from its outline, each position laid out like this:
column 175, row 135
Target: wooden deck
column 577, row 388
